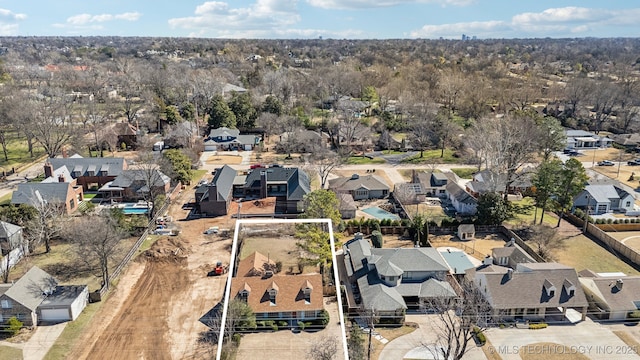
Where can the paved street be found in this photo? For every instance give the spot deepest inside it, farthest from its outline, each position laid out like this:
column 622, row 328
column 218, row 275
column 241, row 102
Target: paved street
column 592, row 339
column 425, row 334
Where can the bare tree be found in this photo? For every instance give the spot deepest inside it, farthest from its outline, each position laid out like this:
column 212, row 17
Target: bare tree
column 456, row 320
column 421, row 134
column 97, row 241
column 52, row 124
column 324, row 349
column 546, row 240
column 148, row 180
column 324, row 161
column 47, row 223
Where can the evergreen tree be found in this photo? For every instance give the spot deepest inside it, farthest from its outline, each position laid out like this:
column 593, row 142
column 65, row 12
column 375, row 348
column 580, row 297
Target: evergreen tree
column 220, row 115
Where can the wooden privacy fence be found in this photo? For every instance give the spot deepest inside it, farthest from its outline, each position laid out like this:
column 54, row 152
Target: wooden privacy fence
column 614, row 245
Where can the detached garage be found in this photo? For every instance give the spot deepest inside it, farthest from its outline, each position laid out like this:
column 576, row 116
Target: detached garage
column 64, row 304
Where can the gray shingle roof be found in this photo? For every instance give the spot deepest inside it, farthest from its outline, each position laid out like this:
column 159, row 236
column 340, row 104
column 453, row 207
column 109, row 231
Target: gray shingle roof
column 129, row 177
column 223, row 180
column 8, row 229
column 298, row 184
column 224, row 131
column 618, row 299
column 63, row 296
column 30, row 288
column 30, row 193
column 413, row 259
column 113, row 166
column 459, row 194
column 526, row 288
column 371, row 182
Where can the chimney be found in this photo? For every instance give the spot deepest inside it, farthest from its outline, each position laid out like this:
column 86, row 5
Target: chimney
column 357, row 236
column 263, row 184
column 48, row 170
column 61, row 178
column 355, row 177
column 509, row 274
column 488, row 260
column 619, row 284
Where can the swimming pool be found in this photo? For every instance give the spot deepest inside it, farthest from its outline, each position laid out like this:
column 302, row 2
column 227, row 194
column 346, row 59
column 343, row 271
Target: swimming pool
column 131, row 209
column 380, row 214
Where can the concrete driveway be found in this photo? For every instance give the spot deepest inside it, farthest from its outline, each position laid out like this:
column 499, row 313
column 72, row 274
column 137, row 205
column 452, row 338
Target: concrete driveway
column 591, row 339
column 40, row 341
column 290, row 345
column 425, row 334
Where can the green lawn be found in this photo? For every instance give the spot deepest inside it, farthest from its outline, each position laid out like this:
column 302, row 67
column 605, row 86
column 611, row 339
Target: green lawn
column 583, row 253
column 71, row 333
column 18, row 152
column 360, row 160
column 433, row 156
column 196, row 175
column 89, row 196
column 528, row 216
column 464, row 173
column 8, row 352
column 6, row 200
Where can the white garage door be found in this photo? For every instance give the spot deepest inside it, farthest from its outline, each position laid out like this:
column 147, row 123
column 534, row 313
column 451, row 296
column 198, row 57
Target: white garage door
column 55, row 315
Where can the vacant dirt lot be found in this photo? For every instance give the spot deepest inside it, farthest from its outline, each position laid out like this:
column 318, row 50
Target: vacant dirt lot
column 276, row 243
column 155, row 312
column 224, row 160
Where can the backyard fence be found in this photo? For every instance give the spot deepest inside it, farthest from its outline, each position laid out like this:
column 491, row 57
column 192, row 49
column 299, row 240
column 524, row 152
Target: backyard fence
column 151, row 225
column 614, row 245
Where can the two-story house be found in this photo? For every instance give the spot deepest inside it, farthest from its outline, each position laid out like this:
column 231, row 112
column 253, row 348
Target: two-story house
column 89, row 173
column 274, row 296
column 229, row 139
column 393, row 280
column 59, row 189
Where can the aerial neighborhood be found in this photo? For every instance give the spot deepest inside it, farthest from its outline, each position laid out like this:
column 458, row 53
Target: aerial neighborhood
column 326, row 199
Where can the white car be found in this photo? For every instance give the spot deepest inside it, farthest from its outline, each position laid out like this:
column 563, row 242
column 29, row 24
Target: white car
column 212, row 230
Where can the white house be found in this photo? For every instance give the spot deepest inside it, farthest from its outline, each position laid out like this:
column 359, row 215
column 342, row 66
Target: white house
column 605, row 198
column 580, row 139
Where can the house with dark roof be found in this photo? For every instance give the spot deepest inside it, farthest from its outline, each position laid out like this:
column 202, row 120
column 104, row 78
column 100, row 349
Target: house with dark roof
column 509, row 255
column 393, row 280
column 360, row 187
column 531, row 291
column 12, row 245
column 37, row 297
column 59, row 190
column 127, row 134
column 604, row 198
column 214, row 198
column 462, row 201
column 612, row 296
column 274, row 296
column 229, row 139
column 90, row 173
column 136, row 184
column 287, row 185
column 629, row 141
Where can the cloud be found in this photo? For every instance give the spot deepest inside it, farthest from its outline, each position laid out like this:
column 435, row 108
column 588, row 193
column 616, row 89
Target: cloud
column 84, row 19
column 260, row 19
column 367, row 4
column 554, row 22
column 457, row 29
column 9, row 22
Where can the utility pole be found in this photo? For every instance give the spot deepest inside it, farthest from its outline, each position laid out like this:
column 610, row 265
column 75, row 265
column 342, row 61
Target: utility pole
column 586, row 218
column 370, row 334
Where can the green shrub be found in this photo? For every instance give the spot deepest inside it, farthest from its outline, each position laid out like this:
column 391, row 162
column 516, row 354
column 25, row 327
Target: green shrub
column 301, row 325
column 579, row 213
column 482, row 339
column 282, row 323
column 502, row 326
column 634, row 315
column 626, row 221
column 609, row 221
column 14, row 326
column 236, row 338
column 376, row 239
column 537, row 326
column 324, row 317
column 274, row 327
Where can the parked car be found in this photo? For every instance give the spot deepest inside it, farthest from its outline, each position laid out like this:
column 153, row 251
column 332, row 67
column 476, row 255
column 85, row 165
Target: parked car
column 633, row 162
column 212, row 230
column 605, row 163
column 571, row 152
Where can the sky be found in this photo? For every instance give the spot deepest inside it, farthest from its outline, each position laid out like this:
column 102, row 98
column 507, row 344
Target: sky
column 336, row 19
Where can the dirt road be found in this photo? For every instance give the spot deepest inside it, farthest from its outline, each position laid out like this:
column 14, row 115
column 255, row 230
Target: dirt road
column 155, row 312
